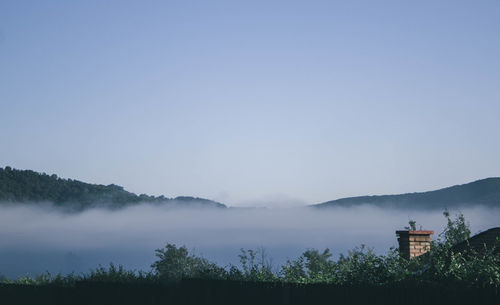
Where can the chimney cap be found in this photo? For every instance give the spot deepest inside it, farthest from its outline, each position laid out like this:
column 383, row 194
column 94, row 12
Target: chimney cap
column 415, row 232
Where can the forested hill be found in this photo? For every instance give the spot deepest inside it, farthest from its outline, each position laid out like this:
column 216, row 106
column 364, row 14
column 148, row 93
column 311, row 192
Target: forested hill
column 484, row 192
column 32, row 187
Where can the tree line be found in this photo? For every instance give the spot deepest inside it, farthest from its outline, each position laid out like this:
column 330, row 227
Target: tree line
column 28, row 186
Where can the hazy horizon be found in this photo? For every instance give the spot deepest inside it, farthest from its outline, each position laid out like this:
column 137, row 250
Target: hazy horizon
column 275, row 201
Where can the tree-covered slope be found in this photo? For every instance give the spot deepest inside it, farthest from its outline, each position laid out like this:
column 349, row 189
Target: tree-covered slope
column 482, row 192
column 30, row 187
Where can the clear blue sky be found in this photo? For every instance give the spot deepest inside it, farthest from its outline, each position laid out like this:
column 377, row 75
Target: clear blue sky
column 253, row 102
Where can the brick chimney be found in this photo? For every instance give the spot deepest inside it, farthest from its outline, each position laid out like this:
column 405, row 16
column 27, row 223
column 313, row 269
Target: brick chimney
column 414, row 243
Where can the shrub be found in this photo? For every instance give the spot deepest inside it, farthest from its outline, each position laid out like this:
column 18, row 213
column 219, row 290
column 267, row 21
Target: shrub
column 174, row 264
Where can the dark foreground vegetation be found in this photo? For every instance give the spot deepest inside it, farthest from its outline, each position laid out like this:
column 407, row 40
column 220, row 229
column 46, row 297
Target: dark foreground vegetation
column 27, row 186
column 199, row 292
column 445, row 275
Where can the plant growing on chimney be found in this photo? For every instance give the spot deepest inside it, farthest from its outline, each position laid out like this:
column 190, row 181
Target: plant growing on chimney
column 412, row 225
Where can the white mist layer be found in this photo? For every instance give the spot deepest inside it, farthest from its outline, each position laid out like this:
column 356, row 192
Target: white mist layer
column 34, row 239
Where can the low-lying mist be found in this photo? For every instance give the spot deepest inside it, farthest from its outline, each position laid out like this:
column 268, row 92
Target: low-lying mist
column 36, row 239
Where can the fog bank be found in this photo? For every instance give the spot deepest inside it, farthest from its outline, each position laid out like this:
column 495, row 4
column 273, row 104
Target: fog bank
column 37, row 239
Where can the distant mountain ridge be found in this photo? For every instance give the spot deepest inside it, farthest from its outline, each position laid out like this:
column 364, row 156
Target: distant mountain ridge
column 27, row 186
column 484, row 192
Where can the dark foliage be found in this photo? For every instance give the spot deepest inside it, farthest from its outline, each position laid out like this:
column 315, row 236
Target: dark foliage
column 29, row 186
column 174, row 264
column 482, row 192
column 217, row 292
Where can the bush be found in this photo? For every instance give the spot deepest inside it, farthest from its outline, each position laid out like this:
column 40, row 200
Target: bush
column 256, row 266
column 175, row 264
column 117, row 274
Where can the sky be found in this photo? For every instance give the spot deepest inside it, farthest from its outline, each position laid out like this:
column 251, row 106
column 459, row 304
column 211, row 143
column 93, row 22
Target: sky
column 252, row 102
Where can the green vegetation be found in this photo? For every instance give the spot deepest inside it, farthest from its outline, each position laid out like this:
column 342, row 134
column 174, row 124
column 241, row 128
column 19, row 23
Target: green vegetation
column 26, row 186
column 443, row 265
column 484, row 192
column 175, row 263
